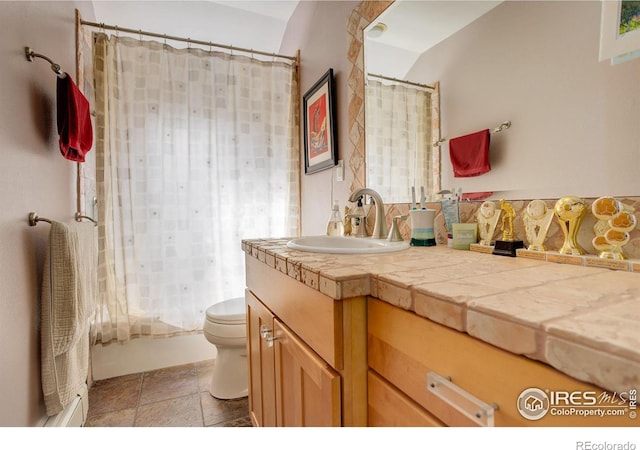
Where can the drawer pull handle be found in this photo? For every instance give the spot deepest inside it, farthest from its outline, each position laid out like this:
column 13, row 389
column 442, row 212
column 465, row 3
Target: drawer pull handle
column 471, row 407
column 270, row 340
column 433, row 384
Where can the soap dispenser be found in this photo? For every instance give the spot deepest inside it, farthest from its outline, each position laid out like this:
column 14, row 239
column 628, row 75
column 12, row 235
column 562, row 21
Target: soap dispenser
column 335, row 227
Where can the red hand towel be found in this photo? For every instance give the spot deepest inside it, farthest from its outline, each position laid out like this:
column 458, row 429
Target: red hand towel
column 470, row 154
column 74, row 120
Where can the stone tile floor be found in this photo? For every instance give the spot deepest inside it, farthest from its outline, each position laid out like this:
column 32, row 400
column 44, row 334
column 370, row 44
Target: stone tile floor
column 171, row 397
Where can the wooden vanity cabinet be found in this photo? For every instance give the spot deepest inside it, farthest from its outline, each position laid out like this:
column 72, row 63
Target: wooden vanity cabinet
column 403, row 348
column 306, row 351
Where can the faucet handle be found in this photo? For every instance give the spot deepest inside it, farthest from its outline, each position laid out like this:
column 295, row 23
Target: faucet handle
column 394, row 234
column 358, row 228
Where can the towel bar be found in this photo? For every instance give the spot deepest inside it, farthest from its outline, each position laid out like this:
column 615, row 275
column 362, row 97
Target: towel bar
column 503, row 126
column 34, row 219
column 30, row 54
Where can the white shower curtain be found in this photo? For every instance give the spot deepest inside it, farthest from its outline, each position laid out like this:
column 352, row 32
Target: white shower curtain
column 398, row 139
column 196, row 150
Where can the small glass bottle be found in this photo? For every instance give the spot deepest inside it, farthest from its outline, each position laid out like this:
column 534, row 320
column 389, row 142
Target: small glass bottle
column 335, row 227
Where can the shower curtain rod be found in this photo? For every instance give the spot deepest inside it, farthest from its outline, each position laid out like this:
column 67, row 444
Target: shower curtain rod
column 188, row 40
column 397, row 80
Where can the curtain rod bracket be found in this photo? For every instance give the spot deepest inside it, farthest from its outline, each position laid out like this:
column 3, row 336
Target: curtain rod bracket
column 79, row 216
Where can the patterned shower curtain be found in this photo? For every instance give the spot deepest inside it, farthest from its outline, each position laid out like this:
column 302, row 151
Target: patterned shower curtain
column 398, row 138
column 195, row 151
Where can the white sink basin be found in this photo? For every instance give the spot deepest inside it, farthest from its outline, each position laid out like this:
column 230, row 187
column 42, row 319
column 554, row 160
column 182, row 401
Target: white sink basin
column 345, row 245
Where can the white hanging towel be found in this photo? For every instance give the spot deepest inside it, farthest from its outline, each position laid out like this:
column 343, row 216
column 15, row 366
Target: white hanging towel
column 68, row 298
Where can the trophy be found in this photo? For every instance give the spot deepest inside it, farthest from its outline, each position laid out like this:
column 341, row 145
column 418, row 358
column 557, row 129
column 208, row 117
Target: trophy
column 570, row 212
column 537, row 219
column 508, row 245
column 487, row 216
column 615, row 221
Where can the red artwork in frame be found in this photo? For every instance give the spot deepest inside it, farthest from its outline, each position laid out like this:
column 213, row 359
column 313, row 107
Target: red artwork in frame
column 320, row 150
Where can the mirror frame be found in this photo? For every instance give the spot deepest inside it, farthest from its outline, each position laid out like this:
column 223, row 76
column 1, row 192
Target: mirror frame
column 365, row 13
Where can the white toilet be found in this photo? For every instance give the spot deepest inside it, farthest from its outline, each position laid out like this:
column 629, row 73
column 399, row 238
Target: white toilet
column 225, row 326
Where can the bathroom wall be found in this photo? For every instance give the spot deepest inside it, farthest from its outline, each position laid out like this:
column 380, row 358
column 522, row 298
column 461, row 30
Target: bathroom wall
column 34, row 177
column 318, row 29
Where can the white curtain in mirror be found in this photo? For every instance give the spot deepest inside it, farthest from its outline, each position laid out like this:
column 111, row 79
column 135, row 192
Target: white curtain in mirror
column 196, row 150
column 398, row 140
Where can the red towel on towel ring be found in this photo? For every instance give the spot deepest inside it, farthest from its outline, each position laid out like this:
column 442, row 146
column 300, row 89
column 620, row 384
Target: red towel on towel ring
column 470, row 154
column 74, row 120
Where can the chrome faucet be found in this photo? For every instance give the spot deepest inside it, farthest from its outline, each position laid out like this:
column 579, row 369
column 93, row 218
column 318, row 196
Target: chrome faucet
column 380, row 227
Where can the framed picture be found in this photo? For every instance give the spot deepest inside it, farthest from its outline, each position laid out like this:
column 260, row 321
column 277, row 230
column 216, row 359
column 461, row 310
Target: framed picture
column 619, row 30
column 320, row 151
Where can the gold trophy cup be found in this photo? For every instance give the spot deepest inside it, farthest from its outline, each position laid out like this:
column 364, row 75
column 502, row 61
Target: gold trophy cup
column 570, row 212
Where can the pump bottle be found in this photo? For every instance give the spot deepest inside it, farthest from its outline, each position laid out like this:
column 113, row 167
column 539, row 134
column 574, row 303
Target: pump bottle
column 335, row 227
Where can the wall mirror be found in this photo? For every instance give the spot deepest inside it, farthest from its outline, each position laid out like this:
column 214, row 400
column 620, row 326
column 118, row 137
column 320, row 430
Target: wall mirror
column 534, row 63
column 402, row 118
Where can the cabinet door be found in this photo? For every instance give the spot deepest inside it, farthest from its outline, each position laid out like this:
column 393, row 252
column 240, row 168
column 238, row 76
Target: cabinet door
column 307, row 388
column 262, row 402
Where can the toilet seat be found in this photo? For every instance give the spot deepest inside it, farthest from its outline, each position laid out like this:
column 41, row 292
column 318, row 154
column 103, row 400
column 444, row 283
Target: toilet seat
column 230, row 312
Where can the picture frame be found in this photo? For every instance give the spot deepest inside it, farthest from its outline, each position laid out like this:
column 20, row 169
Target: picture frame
column 618, row 42
column 320, row 146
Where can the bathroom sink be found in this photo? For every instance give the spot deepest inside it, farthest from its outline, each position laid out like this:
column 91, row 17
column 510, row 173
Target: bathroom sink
column 345, row 245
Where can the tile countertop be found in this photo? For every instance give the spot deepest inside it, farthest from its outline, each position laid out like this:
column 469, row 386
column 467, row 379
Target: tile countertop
column 583, row 321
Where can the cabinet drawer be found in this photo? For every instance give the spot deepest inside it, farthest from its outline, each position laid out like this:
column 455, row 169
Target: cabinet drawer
column 404, row 347
column 316, row 318
column 388, row 407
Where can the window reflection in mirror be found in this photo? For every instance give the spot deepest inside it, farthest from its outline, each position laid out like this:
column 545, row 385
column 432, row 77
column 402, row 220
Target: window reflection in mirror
column 398, row 122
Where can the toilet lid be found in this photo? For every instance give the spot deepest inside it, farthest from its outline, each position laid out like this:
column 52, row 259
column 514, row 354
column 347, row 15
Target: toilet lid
column 228, row 311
